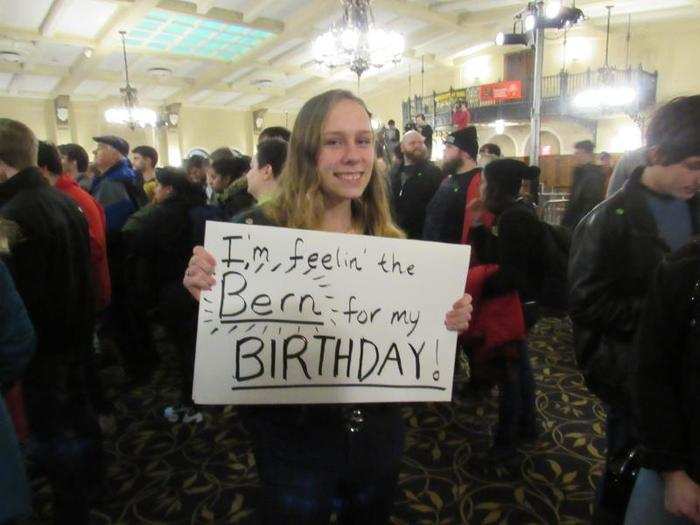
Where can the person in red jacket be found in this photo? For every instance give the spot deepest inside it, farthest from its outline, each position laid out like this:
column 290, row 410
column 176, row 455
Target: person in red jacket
column 50, row 165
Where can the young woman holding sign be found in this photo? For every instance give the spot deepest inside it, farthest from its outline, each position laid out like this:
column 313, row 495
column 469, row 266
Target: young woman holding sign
column 317, row 459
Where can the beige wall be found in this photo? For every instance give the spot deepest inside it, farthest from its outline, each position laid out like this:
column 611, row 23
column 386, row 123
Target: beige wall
column 198, row 127
column 210, row 128
column 31, row 112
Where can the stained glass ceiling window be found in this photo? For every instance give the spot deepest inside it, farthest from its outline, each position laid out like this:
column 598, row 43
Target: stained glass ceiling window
column 193, row 36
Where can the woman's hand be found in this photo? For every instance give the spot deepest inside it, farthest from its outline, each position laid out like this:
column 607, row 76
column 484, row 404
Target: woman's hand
column 200, row 272
column 682, row 495
column 457, row 319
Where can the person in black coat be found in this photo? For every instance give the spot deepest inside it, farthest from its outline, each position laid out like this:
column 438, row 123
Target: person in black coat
column 614, row 253
column 50, row 263
column 444, row 218
column 587, row 186
column 515, row 243
column 159, row 243
column 665, row 375
column 413, row 183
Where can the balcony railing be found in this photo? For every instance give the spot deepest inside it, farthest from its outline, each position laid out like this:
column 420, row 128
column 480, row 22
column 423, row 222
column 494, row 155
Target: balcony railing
column 558, row 93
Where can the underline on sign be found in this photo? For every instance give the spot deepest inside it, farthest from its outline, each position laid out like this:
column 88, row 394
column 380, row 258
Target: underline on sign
column 335, row 385
column 264, row 320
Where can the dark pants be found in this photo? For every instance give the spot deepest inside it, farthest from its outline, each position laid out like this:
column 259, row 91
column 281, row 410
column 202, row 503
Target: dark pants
column 320, row 464
column 66, row 440
column 126, row 319
column 612, row 496
column 516, row 411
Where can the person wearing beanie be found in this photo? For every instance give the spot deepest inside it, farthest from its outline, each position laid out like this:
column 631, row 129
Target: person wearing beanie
column 413, row 183
column 516, row 244
column 445, row 217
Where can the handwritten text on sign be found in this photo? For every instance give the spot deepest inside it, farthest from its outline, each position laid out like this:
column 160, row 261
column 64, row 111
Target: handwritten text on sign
column 302, row 316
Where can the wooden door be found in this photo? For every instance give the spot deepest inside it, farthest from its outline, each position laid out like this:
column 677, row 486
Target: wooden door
column 520, row 66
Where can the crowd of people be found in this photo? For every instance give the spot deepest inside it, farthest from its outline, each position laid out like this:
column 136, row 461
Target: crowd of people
column 93, row 255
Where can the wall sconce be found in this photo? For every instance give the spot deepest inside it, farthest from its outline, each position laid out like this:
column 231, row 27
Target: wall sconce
column 259, row 120
column 170, row 115
column 61, row 106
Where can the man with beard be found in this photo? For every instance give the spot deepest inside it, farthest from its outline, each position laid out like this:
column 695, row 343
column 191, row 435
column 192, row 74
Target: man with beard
column 445, row 217
column 413, row 183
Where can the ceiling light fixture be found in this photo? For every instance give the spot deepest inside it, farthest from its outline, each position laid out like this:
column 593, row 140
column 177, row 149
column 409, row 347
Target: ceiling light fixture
column 610, row 93
column 130, row 114
column 160, row 72
column 509, row 39
column 10, row 56
column 356, row 43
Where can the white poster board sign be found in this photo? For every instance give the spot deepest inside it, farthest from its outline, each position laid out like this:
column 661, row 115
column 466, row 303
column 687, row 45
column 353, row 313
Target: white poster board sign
column 300, row 316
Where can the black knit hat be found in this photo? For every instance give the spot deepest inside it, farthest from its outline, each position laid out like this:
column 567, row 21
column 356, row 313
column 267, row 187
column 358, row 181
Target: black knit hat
column 465, row 139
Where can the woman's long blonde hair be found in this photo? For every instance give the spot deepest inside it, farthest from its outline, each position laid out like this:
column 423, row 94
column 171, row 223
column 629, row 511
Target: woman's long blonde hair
column 300, row 202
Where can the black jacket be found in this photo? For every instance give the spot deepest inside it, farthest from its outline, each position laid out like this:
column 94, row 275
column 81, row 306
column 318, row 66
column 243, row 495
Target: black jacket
column 614, row 253
column 409, row 199
column 666, row 368
column 158, row 241
column 516, row 244
column 587, row 191
column 444, row 217
column 50, row 263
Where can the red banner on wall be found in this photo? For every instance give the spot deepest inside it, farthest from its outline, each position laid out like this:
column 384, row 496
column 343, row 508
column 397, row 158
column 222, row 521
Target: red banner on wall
column 508, row 90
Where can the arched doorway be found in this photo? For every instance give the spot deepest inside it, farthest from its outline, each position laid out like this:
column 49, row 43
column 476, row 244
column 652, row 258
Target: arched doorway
column 549, row 144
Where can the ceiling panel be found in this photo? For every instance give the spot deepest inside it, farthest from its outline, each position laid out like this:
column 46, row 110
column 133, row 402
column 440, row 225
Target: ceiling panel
column 221, row 98
column 35, row 83
column 71, row 19
column 199, row 96
column 27, row 14
column 154, row 92
column 234, row 5
column 471, row 6
column 283, row 48
column 238, row 73
column 169, row 32
column 293, row 80
column 55, row 54
column 114, row 61
column 598, row 9
column 251, row 99
column 98, row 89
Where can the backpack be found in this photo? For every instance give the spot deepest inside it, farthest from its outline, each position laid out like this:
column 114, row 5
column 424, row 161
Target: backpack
column 554, row 288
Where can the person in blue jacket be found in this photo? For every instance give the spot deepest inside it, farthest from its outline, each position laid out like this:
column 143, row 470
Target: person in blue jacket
column 120, row 195
column 17, row 343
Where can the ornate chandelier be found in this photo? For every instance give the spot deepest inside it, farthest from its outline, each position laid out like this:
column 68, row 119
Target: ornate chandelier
column 130, row 113
column 356, row 43
column 611, row 93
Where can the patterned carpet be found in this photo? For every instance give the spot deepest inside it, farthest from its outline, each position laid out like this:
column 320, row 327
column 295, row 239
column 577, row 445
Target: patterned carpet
column 172, row 473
